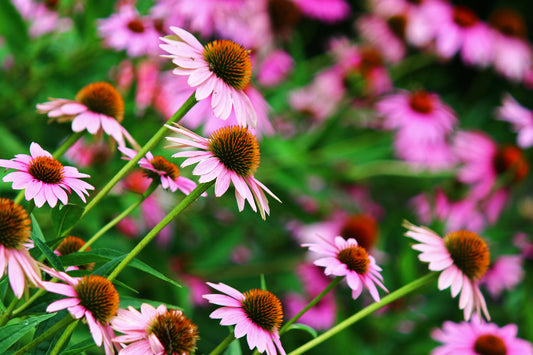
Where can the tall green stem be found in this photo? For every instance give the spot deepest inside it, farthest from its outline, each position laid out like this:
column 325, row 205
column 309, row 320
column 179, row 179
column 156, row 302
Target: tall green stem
column 64, row 337
column 191, row 101
column 200, row 189
column 50, row 332
column 315, row 300
column 223, row 345
column 366, row 311
column 118, row 218
column 6, row 315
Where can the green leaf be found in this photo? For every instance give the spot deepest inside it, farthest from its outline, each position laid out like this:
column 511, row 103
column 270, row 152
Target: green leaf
column 105, row 254
column 234, row 348
column 50, row 255
column 79, row 347
column 263, row 282
column 303, row 327
column 13, row 29
column 9, row 334
column 36, row 231
column 66, row 217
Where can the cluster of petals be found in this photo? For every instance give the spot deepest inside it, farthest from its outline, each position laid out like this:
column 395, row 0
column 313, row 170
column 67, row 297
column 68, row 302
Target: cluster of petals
column 83, row 118
column 247, row 188
column 376, row 31
column 188, row 55
column 520, row 117
column 41, row 191
column 232, row 313
column 167, row 182
column 42, row 19
column 505, row 273
column 20, row 266
column 433, row 251
column 101, row 332
column 465, row 337
column 329, row 259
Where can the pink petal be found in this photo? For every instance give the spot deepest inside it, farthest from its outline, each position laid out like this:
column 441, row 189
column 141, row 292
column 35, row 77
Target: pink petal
column 62, row 304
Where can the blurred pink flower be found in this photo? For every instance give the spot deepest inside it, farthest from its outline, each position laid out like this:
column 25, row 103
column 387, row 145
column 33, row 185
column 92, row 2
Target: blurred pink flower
column 15, row 242
column 505, row 273
column 346, row 258
column 256, row 313
column 98, row 107
column 460, row 30
column 85, row 153
column 462, row 257
column 477, row 337
column 207, row 71
column 44, row 178
column 324, row 10
column 230, row 155
column 524, row 243
column 92, row 297
column 275, row 67
column 380, row 34
column 154, row 331
column 520, row 117
column 147, row 82
column 42, row 17
column 512, row 51
column 127, row 30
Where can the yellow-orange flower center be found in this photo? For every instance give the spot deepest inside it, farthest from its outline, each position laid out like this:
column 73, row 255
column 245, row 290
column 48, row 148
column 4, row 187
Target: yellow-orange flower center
column 15, row 224
column 469, row 253
column 509, row 159
column 489, row 344
column 136, row 26
column 464, row 17
column 102, row 97
column 98, row 295
column 175, row 332
column 355, row 258
column 421, row 101
column 230, row 62
column 161, row 164
column 361, row 228
column 236, row 148
column 509, row 22
column 46, row 169
column 263, row 309
column 72, row 244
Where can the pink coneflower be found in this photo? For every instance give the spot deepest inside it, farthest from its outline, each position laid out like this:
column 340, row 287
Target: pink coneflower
column 127, row 30
column 479, row 338
column 157, row 167
column 43, row 178
column 15, row 226
column 86, row 152
column 154, row 331
column 503, row 274
column 385, row 35
column 72, row 244
column 460, row 30
column 220, row 70
column 42, row 16
column 98, row 106
column 256, row 313
column 275, row 67
column 347, row 258
column 230, row 155
column 91, row 297
column 512, row 51
column 324, row 10
column 462, row 256
column 520, row 117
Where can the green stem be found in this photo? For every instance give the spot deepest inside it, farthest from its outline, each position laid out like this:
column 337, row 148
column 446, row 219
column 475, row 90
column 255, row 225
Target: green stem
column 118, row 218
column 225, row 343
column 7, row 314
column 32, row 299
column 31, row 206
column 64, row 337
column 20, row 196
column 69, row 142
column 191, row 101
column 321, row 295
column 200, row 189
column 50, row 332
column 366, row 311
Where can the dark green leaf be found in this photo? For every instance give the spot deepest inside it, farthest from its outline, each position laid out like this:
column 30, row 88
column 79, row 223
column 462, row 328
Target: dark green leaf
column 36, row 231
column 304, row 327
column 13, row 29
column 79, row 347
column 50, row 255
column 9, row 334
column 66, row 217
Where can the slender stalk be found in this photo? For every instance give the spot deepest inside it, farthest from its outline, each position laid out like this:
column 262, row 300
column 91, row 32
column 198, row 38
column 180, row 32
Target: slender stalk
column 366, row 311
column 223, row 345
column 50, row 332
column 200, row 189
column 67, row 143
column 64, row 337
column 321, row 295
column 7, row 314
column 20, row 196
column 191, row 101
column 31, row 206
column 32, row 299
column 118, row 218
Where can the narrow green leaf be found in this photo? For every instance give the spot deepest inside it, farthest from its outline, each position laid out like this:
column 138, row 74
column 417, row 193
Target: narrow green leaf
column 263, row 282
column 65, row 217
column 234, row 348
column 13, row 29
column 78, row 348
column 36, row 231
column 303, row 327
column 9, row 334
column 53, row 259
